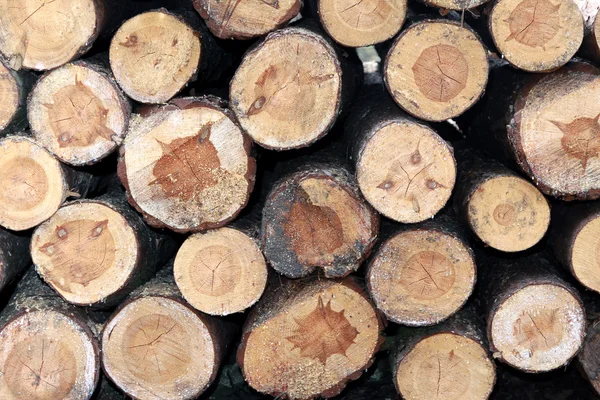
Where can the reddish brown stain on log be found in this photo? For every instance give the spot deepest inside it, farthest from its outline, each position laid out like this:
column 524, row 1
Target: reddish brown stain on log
column 539, row 330
column 534, row 23
column 581, row 138
column 441, row 72
column 187, row 166
column 132, row 40
column 323, row 333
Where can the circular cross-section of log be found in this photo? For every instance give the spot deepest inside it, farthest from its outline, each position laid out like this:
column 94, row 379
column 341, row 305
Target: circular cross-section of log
column 9, row 97
column 47, row 355
column 406, row 171
column 187, row 166
column 85, row 252
column 310, row 347
column 538, row 328
column 455, row 4
column 154, row 55
column 286, row 93
column 32, row 184
column 436, row 69
column 158, row 348
column 78, row 113
column 359, row 23
column 508, row 213
column 220, row 272
column 537, row 35
column 315, row 219
column 421, row 277
column 448, row 366
column 44, row 35
column 235, row 19
column 585, row 254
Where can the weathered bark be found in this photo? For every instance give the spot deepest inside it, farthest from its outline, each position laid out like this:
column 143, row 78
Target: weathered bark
column 459, row 5
column 14, row 88
column 588, row 360
column 590, row 47
column 14, row 256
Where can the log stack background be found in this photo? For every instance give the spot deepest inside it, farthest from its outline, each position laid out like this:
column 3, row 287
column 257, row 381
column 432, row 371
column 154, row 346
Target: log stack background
column 249, row 199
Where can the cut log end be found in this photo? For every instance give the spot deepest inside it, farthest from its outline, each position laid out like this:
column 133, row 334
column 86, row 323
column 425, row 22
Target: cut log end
column 538, row 328
column 156, row 347
column 45, row 35
column 154, row 55
column 508, row 213
column 246, row 20
column 32, row 184
column 194, row 171
column 313, row 220
column 421, row 277
column 458, row 5
column 86, row 252
column 9, row 97
column 406, row 171
column 47, row 355
column 436, row 70
column 78, row 114
column 585, row 254
column 220, row 272
column 362, row 23
column 537, row 35
column 448, row 366
column 286, row 93
column 314, row 346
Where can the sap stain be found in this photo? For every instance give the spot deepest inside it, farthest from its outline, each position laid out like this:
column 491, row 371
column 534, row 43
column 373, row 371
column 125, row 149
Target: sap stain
column 581, row 138
column 534, row 23
column 538, row 330
column 441, row 72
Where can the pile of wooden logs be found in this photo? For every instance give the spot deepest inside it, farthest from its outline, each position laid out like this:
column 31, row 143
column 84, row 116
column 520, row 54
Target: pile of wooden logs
column 238, row 198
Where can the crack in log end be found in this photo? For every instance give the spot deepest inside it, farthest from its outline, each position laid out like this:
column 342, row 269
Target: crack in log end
column 505, row 214
column 441, row 72
column 363, row 15
column 581, row 138
column 534, row 23
column 538, row 331
column 445, row 376
column 218, row 269
column 23, row 184
column 323, row 333
column 427, row 275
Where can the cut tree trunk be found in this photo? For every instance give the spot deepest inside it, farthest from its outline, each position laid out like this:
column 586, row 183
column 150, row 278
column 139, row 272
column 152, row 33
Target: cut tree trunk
column 436, row 69
column 575, row 240
column 48, row 349
column 504, row 211
column 535, row 319
column 591, row 41
column 459, row 5
column 95, row 252
column 422, row 274
column 315, row 218
column 308, row 338
column 79, row 113
column 547, row 126
column 537, row 35
column 187, row 166
column 34, row 184
column 450, row 359
column 290, row 88
column 14, row 256
column 588, row 360
column 221, row 272
column 405, row 170
column 155, row 346
column 235, row 19
column 362, row 22
column 45, row 35
column 14, row 88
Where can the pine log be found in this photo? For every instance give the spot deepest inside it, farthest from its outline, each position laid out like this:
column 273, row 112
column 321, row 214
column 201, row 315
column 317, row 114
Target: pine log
column 459, row 5
column 290, row 88
column 405, row 170
column 449, row 361
column 537, row 35
column 48, row 349
column 187, row 166
column 14, row 88
column 236, row 19
column 436, row 69
column 590, row 47
column 422, row 274
column 14, row 256
column 34, row 184
column 156, row 346
column 45, row 35
column 588, row 360
column 535, row 318
column 575, row 240
column 95, row 252
column 221, row 272
column 361, row 23
column 315, row 218
column 504, row 211
column 78, row 112
column 547, row 126
column 307, row 339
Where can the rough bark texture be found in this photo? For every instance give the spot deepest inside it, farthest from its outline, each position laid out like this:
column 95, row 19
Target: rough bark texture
column 588, row 360
column 13, row 117
column 14, row 256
